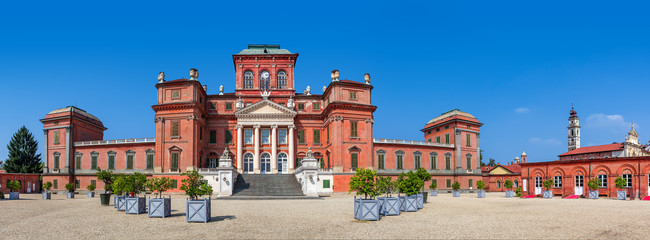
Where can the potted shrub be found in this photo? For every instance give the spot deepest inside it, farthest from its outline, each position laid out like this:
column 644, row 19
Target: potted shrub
column 194, row 187
column 518, row 191
column 364, row 183
column 135, row 184
column 456, row 188
column 105, row 176
column 70, row 188
column 118, row 186
column 91, row 188
column 14, row 189
column 620, row 184
column 424, row 176
column 508, row 185
column 389, row 205
column 410, row 185
column 46, row 190
column 548, row 184
column 593, row 185
column 159, row 206
column 433, row 187
column 480, row 185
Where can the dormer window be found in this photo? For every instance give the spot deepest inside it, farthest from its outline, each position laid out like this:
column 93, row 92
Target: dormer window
column 282, row 80
column 248, row 80
column 265, row 80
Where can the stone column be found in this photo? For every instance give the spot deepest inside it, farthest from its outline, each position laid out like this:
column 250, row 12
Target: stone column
column 478, row 152
column 240, row 161
column 458, row 154
column 291, row 149
column 68, row 142
column 274, row 149
column 256, row 158
column 45, row 159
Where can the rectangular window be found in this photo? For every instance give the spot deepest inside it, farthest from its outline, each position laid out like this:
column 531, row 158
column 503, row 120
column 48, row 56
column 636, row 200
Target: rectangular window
column 213, row 106
column 429, row 140
column 175, row 130
column 628, row 180
column 353, row 96
column 228, row 106
column 111, row 161
column 438, row 139
column 400, row 162
column 176, row 94
column 434, row 162
column 93, row 162
column 129, row 161
column 380, row 161
column 201, row 133
column 557, row 181
column 326, row 183
column 469, row 162
column 55, row 183
column 266, row 136
column 213, row 136
column 248, row 136
column 354, row 157
column 301, row 106
column 228, row 136
column 603, row 180
column 150, row 161
column 434, row 181
column 417, row 161
column 317, row 136
column 282, row 136
column 93, row 182
column 446, row 138
column 77, row 162
column 301, row 136
column 57, row 137
column 175, row 161
column 437, row 129
column 316, row 106
column 447, row 127
column 76, row 184
column 448, row 162
column 448, row 183
column 468, row 139
column 174, row 184
column 470, row 183
column 328, row 134
column 353, row 129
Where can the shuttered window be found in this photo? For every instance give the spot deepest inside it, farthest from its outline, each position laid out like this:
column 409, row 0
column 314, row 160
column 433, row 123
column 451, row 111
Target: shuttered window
column 175, row 161
column 93, row 162
column 353, row 129
column 77, row 162
column 213, row 136
column 228, row 137
column 150, row 161
column 129, row 161
column 301, row 136
column 317, row 136
column 175, row 130
column 355, row 160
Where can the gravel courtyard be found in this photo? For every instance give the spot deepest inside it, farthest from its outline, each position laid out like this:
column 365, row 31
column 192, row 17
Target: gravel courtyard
column 331, row 217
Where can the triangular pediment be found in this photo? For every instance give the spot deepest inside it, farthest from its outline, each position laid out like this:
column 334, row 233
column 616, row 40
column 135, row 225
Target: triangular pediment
column 266, row 108
column 500, row 170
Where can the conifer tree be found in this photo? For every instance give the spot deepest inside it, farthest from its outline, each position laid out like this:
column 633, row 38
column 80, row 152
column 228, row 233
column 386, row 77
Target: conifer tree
column 22, row 153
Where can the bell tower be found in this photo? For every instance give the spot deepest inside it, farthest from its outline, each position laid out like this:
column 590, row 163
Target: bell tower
column 574, row 130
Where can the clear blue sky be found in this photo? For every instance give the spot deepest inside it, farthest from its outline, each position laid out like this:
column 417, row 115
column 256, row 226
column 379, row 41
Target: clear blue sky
column 516, row 66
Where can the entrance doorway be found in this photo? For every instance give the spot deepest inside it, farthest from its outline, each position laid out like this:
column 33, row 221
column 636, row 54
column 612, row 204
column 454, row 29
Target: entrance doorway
column 282, row 163
column 538, row 185
column 248, row 163
column 579, row 186
column 265, row 163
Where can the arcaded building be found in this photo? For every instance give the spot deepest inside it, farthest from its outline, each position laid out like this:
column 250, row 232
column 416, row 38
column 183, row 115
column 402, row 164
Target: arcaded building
column 267, row 126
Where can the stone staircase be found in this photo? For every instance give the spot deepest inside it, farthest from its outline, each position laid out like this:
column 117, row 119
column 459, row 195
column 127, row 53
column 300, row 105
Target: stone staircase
column 267, row 186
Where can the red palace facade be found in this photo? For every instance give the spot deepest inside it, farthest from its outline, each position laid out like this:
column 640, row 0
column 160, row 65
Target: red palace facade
column 266, row 126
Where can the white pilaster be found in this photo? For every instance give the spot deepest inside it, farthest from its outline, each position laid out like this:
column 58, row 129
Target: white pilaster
column 274, row 149
column 240, row 161
column 291, row 149
column 256, row 158
column 68, row 141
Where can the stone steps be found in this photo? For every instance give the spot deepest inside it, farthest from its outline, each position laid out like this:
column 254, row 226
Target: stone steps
column 267, row 185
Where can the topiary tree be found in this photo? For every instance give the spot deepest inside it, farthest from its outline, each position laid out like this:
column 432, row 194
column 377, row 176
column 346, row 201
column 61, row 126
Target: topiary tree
column 47, row 186
column 480, row 185
column 409, row 183
column 159, row 185
column 507, row 184
column 105, row 176
column 455, row 186
column 91, row 187
column 433, row 185
column 194, row 185
column 620, row 183
column 423, row 175
column 593, row 184
column 385, row 185
column 14, row 186
column 69, row 187
column 364, row 183
column 548, row 184
column 135, row 183
column 119, row 184
column 518, row 191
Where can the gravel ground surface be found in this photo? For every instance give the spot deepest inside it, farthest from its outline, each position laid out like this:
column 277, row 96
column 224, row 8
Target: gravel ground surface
column 467, row 217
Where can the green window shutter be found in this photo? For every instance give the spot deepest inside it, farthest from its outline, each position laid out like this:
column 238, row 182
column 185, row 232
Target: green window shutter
column 93, row 182
column 175, row 130
column 56, row 184
column 93, row 162
column 438, row 139
column 174, row 161
column 448, row 183
column 129, row 162
column 380, row 161
column 213, row 136
column 434, row 181
column 326, row 183
column 228, row 106
column 111, row 162
column 56, row 161
column 469, row 163
column 76, row 184
column 328, row 134
column 353, row 129
column 77, row 164
column 447, row 138
column 150, row 161
column 174, row 184
column 417, row 162
column 448, row 163
column 355, row 160
column 316, row 136
column 57, row 138
column 468, row 139
column 213, row 106
column 228, row 137
column 301, row 136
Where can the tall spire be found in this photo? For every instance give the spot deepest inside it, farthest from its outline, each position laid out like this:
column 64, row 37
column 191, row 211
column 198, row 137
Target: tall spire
column 574, row 130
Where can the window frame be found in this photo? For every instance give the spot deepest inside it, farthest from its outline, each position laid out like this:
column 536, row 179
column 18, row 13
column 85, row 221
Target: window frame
column 603, row 184
column 557, row 181
column 354, row 129
column 433, row 159
column 399, row 160
column 150, row 153
column 282, row 136
column 249, row 79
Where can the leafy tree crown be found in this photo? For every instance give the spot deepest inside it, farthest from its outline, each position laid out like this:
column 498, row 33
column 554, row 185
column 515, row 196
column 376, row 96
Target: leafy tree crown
column 91, row 187
column 47, row 186
column 69, row 187
column 433, row 185
column 105, row 176
column 480, row 185
column 14, row 186
column 593, row 184
column 620, row 182
column 508, row 184
column 548, row 184
column 364, row 183
column 456, row 186
column 194, row 185
column 159, row 185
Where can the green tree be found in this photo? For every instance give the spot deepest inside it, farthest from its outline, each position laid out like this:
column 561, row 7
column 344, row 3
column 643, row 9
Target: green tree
column 364, row 183
column 159, row 185
column 14, row 186
column 423, row 175
column 456, row 186
column 69, row 187
column 433, row 185
column 135, row 183
column 385, row 185
column 508, row 184
column 548, row 184
column 22, row 153
column 480, row 185
column 593, row 184
column 119, row 184
column 620, row 183
column 409, row 183
column 194, row 185
column 47, row 186
column 105, row 176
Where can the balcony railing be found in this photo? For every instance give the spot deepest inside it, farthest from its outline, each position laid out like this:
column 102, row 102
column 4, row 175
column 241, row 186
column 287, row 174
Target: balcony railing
column 410, row 142
column 118, row 141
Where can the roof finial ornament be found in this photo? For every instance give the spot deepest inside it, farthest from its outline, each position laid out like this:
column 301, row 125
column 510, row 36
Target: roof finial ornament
column 307, row 91
column 366, row 77
column 240, row 104
column 335, row 75
column 265, row 94
column 161, row 77
column 221, row 90
column 290, row 103
column 324, row 88
column 194, row 74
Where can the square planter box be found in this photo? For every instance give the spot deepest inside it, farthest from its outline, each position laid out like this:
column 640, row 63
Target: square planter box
column 136, row 205
column 434, row 193
column 547, row 194
column 70, row 194
column 366, row 209
column 408, row 203
column 91, row 194
column 14, row 195
column 456, row 193
column 510, row 194
column 389, row 206
column 198, row 210
column 593, row 194
column 115, row 201
column 47, row 195
column 481, row 194
column 160, row 207
column 621, row 195
column 419, row 200
column 121, row 203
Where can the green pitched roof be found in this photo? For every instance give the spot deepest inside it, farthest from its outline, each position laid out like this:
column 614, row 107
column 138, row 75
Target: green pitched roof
column 262, row 49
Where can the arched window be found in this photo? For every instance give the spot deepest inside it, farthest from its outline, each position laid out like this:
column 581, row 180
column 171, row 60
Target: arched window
column 248, row 80
column 265, row 80
column 282, row 163
column 282, row 80
column 265, row 163
column 516, row 183
column 248, row 162
column 498, row 183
